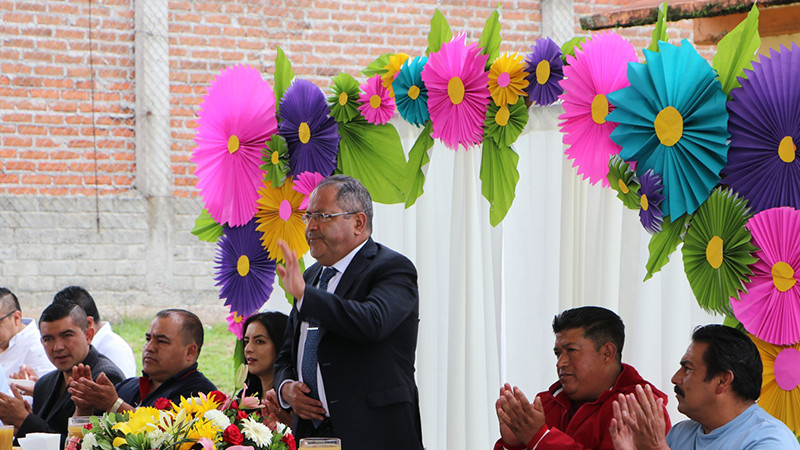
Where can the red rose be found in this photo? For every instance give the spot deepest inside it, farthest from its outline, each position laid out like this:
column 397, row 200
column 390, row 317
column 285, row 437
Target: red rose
column 88, row 426
column 241, row 414
column 162, row 403
column 288, row 438
column 234, row 405
column 232, row 435
column 217, row 396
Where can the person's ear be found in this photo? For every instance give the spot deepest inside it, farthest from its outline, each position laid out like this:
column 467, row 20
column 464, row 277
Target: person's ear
column 723, row 381
column 89, row 334
column 191, row 352
column 609, row 351
column 360, row 222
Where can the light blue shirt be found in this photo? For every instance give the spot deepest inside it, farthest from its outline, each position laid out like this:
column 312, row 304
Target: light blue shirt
column 752, row 429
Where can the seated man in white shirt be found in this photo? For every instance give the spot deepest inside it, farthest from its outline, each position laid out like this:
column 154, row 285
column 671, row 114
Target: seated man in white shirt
column 20, row 347
column 105, row 340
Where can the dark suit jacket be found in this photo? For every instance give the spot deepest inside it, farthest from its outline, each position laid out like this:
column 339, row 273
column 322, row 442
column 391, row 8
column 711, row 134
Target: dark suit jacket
column 366, row 355
column 52, row 407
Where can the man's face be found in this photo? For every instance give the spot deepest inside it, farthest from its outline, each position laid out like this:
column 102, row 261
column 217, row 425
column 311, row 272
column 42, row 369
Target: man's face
column 8, row 327
column 694, row 394
column 165, row 353
column 333, row 240
column 65, row 343
column 579, row 365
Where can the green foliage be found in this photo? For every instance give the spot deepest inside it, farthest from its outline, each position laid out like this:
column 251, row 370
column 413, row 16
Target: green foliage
column 283, row 76
column 417, row 159
column 206, row 228
column 736, row 51
column 490, row 38
column 276, row 173
column 568, row 48
column 439, row 34
column 662, row 244
column 499, row 177
column 378, row 66
column 660, row 30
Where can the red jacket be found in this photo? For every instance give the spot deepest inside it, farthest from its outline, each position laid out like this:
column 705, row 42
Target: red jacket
column 588, row 427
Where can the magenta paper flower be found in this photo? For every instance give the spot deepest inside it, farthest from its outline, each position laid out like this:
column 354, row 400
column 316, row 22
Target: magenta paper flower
column 236, row 117
column 306, row 183
column 770, row 307
column 236, row 324
column 598, row 68
column 377, row 105
column 458, row 92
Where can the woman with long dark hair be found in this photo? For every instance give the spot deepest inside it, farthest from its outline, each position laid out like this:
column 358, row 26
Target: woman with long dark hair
column 263, row 338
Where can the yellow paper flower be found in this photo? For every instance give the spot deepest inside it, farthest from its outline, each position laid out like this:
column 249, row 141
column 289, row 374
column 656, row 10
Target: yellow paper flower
column 395, row 63
column 780, row 388
column 279, row 217
column 507, row 79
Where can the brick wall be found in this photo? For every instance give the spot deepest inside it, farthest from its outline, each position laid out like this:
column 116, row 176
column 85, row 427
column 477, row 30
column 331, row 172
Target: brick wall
column 71, row 212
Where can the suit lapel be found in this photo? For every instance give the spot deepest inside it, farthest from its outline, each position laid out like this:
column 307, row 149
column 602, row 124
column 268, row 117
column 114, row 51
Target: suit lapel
column 357, row 265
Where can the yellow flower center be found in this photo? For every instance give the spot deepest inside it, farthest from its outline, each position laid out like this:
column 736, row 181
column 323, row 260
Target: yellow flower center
column 375, row 101
column 786, row 149
column 233, row 143
column 243, row 265
column 455, row 89
column 502, row 116
column 599, row 109
column 413, row 92
column 303, row 132
column 275, row 158
column 669, row 126
column 543, row 71
column 643, row 201
column 623, row 187
column 237, row 318
column 343, row 98
column 714, row 252
column 783, row 276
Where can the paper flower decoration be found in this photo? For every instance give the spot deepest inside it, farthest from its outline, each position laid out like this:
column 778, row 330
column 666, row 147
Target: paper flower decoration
column 392, row 69
column 597, row 69
column 344, row 101
column 717, row 251
column 504, row 124
column 276, row 160
column 206, row 229
column 780, row 388
column 306, row 183
column 457, row 92
column 236, row 324
column 650, row 199
column 545, row 71
column 377, row 105
column 672, row 119
column 279, row 217
column 624, row 181
column 770, row 307
column 243, row 269
column 410, row 93
column 311, row 134
column 765, row 128
column 507, row 79
column 236, row 117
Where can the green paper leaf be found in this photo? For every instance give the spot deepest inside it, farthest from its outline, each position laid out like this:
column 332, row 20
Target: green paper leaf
column 736, row 51
column 623, row 180
column 731, row 321
column 490, row 38
column 506, row 135
column 344, row 84
column 417, row 159
column 286, row 294
column 276, row 173
column 439, row 34
column 662, row 244
column 568, row 48
column 378, row 66
column 206, row 228
column 283, row 76
column 660, row 30
column 499, row 177
column 374, row 155
column 238, row 356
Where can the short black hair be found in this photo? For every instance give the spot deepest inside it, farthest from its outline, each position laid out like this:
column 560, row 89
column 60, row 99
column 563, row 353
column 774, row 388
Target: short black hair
column 8, row 301
column 58, row 311
column 191, row 326
column 79, row 296
column 599, row 325
column 731, row 350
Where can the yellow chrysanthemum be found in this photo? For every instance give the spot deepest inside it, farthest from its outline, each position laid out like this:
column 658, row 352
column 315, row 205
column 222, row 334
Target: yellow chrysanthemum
column 203, row 428
column 195, row 406
column 395, row 63
column 507, row 79
column 139, row 420
column 279, row 217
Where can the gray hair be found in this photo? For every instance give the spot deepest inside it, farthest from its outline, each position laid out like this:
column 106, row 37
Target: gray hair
column 351, row 195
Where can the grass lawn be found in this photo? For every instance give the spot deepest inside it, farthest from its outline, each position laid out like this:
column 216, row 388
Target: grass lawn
column 215, row 358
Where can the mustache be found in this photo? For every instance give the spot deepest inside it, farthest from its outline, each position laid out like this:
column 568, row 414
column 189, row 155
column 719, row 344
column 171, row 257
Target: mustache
column 679, row 391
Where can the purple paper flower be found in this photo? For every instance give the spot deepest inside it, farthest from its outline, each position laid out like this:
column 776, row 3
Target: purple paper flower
column 650, row 199
column 764, row 125
column 311, row 134
column 545, row 70
column 243, row 269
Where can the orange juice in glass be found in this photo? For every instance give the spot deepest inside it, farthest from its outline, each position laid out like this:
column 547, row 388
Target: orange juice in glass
column 6, row 437
column 321, row 443
column 75, row 426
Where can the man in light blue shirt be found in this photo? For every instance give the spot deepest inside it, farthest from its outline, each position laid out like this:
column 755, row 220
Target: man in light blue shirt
column 717, row 387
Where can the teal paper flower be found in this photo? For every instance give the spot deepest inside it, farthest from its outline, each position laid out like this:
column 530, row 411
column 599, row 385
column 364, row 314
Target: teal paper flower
column 672, row 119
column 410, row 93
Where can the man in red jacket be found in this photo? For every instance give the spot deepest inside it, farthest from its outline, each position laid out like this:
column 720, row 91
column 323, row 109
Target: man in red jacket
column 576, row 412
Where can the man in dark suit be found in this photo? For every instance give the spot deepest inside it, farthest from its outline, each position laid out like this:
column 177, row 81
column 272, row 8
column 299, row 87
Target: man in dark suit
column 66, row 337
column 358, row 322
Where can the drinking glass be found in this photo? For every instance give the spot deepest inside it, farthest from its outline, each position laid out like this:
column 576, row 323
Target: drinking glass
column 75, row 432
column 6, row 437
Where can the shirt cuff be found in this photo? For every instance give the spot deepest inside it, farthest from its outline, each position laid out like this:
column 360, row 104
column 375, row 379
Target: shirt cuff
column 537, row 438
column 503, row 445
column 284, row 405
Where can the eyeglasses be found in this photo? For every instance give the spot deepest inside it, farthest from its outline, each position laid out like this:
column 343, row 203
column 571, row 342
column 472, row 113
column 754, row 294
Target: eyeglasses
column 324, row 218
column 4, row 317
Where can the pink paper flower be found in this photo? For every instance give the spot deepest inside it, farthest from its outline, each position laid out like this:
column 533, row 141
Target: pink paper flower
column 377, row 105
column 458, row 92
column 306, row 183
column 236, row 117
column 598, row 68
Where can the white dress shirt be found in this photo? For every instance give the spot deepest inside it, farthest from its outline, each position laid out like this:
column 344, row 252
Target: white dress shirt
column 26, row 348
column 113, row 347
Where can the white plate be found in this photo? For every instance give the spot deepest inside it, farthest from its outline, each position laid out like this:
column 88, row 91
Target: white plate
column 22, row 383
